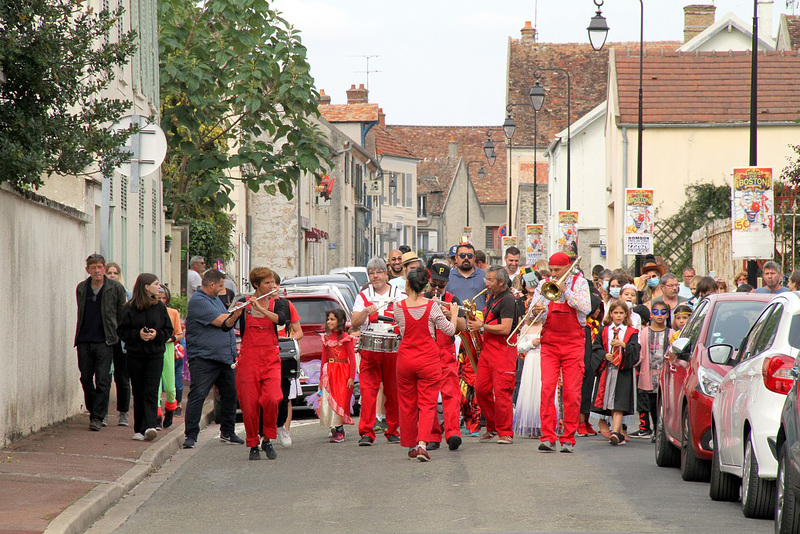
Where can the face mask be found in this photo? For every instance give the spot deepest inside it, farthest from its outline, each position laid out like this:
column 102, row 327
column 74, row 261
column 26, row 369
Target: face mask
column 652, row 282
column 614, row 291
column 605, row 285
column 630, row 304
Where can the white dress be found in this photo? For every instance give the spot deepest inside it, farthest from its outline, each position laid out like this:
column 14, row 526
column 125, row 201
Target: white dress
column 527, row 415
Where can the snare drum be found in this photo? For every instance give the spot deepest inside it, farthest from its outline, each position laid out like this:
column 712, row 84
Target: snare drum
column 379, row 341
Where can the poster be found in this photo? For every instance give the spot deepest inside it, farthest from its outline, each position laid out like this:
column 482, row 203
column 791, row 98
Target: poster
column 466, row 235
column 568, row 232
column 509, row 241
column 638, row 221
column 752, row 211
column 534, row 243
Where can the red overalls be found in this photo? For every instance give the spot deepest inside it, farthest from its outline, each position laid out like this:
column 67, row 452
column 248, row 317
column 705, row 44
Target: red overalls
column 562, row 350
column 377, row 367
column 258, row 376
column 449, row 387
column 418, row 376
column 496, row 377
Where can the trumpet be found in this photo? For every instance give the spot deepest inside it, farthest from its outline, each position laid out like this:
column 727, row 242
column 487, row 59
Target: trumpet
column 549, row 290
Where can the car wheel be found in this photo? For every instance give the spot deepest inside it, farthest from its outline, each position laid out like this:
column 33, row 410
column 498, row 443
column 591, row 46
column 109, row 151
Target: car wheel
column 667, row 455
column 724, row 486
column 787, row 512
column 758, row 495
column 692, row 467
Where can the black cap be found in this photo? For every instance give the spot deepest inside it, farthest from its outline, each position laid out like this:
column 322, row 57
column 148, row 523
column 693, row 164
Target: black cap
column 440, row 271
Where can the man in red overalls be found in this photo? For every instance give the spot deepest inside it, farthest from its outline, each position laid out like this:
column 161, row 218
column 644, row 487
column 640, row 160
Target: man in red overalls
column 497, row 366
column 562, row 350
column 377, row 299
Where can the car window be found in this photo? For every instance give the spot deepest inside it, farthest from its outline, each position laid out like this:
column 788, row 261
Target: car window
column 731, row 320
column 693, row 327
column 768, row 331
column 360, row 276
column 794, row 332
column 312, row 311
column 748, row 347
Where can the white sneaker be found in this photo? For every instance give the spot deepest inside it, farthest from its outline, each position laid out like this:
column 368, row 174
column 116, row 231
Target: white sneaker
column 150, row 434
column 138, row 437
column 284, row 437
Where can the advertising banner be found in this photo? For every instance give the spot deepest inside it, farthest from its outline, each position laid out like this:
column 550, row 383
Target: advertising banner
column 534, row 243
column 638, row 221
column 752, row 213
column 466, row 235
column 509, row 241
column 568, row 232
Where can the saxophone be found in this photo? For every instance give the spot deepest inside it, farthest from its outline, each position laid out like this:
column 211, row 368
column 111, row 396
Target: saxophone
column 472, row 339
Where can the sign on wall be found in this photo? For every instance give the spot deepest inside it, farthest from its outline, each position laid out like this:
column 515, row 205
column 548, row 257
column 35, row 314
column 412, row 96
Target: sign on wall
column 466, row 235
column 534, row 243
column 638, row 221
column 568, row 232
column 752, row 213
column 509, row 241
column 373, row 188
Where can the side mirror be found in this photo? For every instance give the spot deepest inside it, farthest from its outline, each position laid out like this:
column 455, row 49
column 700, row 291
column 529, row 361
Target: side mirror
column 681, row 348
column 720, row 354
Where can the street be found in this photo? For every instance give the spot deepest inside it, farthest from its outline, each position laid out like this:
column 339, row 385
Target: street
column 316, row 485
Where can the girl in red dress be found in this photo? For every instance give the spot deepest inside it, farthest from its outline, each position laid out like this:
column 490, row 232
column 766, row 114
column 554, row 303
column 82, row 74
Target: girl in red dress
column 337, row 375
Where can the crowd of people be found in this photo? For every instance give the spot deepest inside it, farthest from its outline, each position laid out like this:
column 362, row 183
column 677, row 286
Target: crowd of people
column 542, row 351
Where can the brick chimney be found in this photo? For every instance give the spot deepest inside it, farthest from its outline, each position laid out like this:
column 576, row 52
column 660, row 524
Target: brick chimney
column 323, row 98
column 357, row 96
column 381, row 118
column 452, row 148
column 528, row 32
column 696, row 18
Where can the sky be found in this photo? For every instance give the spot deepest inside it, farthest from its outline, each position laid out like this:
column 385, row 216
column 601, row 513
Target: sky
column 443, row 62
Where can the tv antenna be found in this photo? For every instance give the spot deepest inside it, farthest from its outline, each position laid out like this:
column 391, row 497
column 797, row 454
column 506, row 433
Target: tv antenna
column 367, row 71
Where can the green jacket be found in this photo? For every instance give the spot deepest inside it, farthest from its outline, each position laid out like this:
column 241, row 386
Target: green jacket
column 111, row 303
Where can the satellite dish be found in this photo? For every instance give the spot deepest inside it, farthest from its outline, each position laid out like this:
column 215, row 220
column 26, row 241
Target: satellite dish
column 148, row 148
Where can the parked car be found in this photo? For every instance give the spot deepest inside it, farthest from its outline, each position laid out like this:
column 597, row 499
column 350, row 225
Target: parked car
column 359, row 273
column 746, row 411
column 786, row 445
column 345, row 282
column 689, row 382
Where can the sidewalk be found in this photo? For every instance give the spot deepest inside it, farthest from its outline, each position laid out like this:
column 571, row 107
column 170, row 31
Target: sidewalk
column 61, row 479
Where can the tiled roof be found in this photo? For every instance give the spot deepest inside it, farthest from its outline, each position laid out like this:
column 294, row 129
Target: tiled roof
column 708, row 87
column 433, row 141
column 588, row 72
column 349, row 112
column 793, row 25
column 435, row 178
column 388, row 144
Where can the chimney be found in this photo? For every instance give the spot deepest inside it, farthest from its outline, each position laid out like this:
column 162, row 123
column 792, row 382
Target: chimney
column 381, row 118
column 452, row 150
column 765, row 19
column 357, row 96
column 528, row 32
column 696, row 18
column 323, row 98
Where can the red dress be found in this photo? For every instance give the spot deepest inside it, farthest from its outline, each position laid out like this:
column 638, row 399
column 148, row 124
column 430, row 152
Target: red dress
column 338, row 365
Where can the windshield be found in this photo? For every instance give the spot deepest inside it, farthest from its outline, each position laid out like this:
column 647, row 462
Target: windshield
column 360, row 276
column 732, row 320
column 312, row 311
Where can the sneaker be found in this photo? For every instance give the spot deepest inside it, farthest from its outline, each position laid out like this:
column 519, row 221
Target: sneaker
column 123, row 419
column 392, row 438
column 582, row 433
column 337, row 437
column 567, row 447
column 150, row 434
column 379, row 426
column 105, row 421
column 547, row 446
column 487, row 437
column 267, row 447
column 255, row 453
column 365, row 441
column 454, row 442
column 383, row 425
column 422, row 454
column 475, row 434
column 433, row 445
column 168, row 415
column 284, row 437
column 412, row 452
column 95, row 425
column 642, row 434
column 189, row 443
column 138, row 437
column 505, row 440
column 178, row 412
column 231, row 438
column 589, row 430
column 616, row 438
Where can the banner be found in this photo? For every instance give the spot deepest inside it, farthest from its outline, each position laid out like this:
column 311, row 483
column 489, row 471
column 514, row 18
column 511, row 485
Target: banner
column 534, row 243
column 568, row 232
column 509, row 241
column 466, row 235
column 638, row 221
column 752, row 213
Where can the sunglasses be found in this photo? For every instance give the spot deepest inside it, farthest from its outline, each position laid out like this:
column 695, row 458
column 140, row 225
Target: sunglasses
column 660, row 311
column 466, row 255
column 440, row 285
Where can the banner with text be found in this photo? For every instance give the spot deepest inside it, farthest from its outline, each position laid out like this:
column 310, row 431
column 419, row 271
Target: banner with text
column 638, row 221
column 568, row 232
column 752, row 213
column 534, row 243
column 509, row 241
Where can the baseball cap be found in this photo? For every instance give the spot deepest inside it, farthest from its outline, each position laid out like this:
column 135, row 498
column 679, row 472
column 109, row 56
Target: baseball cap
column 453, row 251
column 440, row 271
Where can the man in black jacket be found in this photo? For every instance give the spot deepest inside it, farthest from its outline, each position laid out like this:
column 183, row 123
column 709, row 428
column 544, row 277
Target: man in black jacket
column 100, row 301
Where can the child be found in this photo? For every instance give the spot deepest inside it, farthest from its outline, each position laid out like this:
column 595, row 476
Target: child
column 167, row 384
column 679, row 318
column 527, row 417
column 614, row 354
column 654, row 345
column 337, row 375
column 628, row 296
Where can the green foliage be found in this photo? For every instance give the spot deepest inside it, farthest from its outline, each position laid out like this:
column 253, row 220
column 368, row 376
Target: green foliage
column 236, row 94
column 210, row 238
column 57, row 59
column 791, row 173
column 180, row 303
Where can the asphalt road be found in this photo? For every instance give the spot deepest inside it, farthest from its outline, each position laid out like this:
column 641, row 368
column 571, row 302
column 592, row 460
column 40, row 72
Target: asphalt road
column 323, row 487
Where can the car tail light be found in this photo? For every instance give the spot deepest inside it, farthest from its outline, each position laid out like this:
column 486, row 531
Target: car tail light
column 777, row 372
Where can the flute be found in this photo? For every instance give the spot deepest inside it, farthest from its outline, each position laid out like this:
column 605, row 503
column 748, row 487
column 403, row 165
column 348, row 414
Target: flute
column 244, row 303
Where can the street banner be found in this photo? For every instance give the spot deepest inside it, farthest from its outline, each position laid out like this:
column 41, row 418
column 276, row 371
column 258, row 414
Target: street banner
column 466, row 235
column 752, row 213
column 568, row 232
column 534, row 243
column 638, row 221
column 509, row 241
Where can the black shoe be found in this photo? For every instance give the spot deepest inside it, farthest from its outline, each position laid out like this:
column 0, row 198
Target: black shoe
column 168, row 415
column 365, row 441
column 95, row 425
column 159, row 425
column 391, row 438
column 433, row 445
column 267, row 447
column 231, row 438
column 255, row 453
column 178, row 412
column 454, row 442
column 189, row 443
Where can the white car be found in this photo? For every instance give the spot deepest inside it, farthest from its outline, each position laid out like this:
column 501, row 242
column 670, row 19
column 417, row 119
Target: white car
column 747, row 409
column 359, row 273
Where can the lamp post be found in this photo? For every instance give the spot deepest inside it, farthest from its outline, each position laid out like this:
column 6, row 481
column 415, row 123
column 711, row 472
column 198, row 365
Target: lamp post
column 481, row 175
column 537, row 96
column 509, row 126
column 569, row 119
column 752, row 266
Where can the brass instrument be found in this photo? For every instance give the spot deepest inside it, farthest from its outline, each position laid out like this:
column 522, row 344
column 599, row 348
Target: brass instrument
column 471, row 338
column 548, row 290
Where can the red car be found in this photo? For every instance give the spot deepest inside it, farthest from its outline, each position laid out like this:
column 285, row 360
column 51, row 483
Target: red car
column 690, row 380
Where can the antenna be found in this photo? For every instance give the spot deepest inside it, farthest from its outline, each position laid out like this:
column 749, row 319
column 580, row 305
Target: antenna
column 367, row 71
column 792, row 4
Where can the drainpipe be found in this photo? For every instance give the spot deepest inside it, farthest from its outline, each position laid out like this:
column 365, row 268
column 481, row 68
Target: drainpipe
column 621, row 227
column 299, row 228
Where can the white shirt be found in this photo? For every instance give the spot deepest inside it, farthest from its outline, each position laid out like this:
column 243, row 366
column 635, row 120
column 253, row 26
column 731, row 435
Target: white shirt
column 193, row 281
column 399, row 283
column 369, row 295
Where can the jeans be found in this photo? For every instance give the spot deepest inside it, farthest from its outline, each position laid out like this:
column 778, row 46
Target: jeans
column 205, row 374
column 145, row 374
column 122, row 379
column 179, row 380
column 94, row 364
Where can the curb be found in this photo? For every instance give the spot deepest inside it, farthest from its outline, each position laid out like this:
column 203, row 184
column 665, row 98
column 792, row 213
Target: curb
column 82, row 514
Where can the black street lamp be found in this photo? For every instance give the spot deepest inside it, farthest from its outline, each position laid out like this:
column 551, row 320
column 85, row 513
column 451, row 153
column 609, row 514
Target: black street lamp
column 481, row 175
column 752, row 265
column 392, row 188
column 598, row 29
column 537, row 96
column 508, row 129
column 569, row 120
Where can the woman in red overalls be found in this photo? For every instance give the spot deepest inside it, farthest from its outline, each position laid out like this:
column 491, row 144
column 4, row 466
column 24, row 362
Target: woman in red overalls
column 258, row 373
column 419, row 364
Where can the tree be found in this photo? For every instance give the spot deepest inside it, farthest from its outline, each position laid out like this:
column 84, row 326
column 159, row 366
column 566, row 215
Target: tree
column 56, row 59
column 236, row 94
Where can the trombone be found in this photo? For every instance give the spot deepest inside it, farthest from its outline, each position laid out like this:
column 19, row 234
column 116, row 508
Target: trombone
column 549, row 290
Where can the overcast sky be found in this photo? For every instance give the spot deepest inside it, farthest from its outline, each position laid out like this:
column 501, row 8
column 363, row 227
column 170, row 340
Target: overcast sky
column 444, row 61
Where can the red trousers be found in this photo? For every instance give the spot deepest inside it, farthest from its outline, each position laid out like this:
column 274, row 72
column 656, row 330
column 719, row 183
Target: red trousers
column 258, row 383
column 494, row 386
column 451, row 396
column 565, row 357
column 377, row 367
column 418, row 380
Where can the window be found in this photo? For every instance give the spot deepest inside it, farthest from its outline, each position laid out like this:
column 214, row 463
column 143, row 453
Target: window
column 695, row 324
column 769, row 330
column 750, row 342
column 493, row 237
column 408, row 201
column 313, row 311
column 731, row 321
column 358, row 183
column 422, row 207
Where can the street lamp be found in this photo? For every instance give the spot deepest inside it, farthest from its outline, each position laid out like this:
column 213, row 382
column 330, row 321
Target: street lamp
column 537, row 96
column 509, row 126
column 392, row 188
column 569, row 120
column 481, row 175
column 508, row 129
column 598, row 29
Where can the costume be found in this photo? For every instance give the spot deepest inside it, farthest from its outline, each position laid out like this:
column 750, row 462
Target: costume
column 654, row 345
column 527, row 413
column 615, row 385
column 167, row 383
column 338, row 365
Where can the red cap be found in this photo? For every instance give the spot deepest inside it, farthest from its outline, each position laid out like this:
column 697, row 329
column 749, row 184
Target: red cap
column 559, row 259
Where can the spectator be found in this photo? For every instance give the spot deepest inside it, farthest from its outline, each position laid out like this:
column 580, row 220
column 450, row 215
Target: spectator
column 480, row 260
column 771, row 273
column 705, row 286
column 467, row 280
column 596, row 270
column 122, row 380
column 451, row 255
column 669, row 293
column 100, row 301
column 395, row 264
column 794, row 281
column 512, row 261
column 740, row 279
column 410, row 262
column 193, row 280
column 722, row 285
column 745, row 288
column 686, row 290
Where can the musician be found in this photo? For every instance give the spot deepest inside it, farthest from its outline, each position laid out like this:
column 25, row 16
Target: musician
column 563, row 348
column 377, row 299
column 449, row 385
column 410, row 262
column 494, row 384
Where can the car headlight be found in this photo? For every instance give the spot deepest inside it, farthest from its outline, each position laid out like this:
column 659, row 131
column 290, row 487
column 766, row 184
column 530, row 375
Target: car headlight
column 708, row 381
